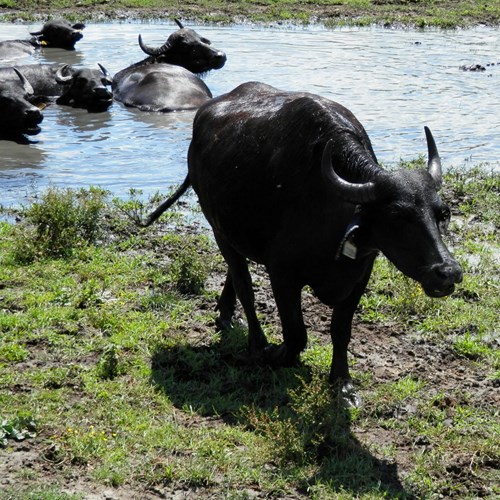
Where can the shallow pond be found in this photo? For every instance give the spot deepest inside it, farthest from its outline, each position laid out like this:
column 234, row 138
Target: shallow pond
column 395, row 82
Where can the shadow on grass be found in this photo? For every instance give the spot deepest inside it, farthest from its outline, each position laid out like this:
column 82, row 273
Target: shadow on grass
column 305, row 422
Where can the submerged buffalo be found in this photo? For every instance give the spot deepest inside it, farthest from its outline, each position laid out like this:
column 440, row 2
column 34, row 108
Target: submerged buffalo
column 167, row 80
column 57, row 34
column 79, row 87
column 19, row 116
column 290, row 180
column 85, row 88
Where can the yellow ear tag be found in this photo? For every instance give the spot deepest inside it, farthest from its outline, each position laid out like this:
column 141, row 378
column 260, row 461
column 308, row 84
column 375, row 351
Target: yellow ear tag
column 43, row 42
column 41, row 106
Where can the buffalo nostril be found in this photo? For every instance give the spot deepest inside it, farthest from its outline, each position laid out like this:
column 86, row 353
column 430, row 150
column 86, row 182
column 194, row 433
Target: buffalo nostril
column 449, row 272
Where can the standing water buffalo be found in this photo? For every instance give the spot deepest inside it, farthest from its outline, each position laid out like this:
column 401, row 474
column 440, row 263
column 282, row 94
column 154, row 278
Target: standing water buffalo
column 58, row 34
column 166, row 80
column 78, row 87
column 19, row 116
column 290, row 180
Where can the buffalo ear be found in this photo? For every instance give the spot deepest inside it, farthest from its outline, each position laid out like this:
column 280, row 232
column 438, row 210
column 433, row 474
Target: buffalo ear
column 78, row 26
column 36, row 33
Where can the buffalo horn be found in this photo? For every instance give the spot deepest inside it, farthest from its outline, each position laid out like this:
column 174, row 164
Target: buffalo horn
column 434, row 162
column 105, row 73
column 36, row 33
column 60, row 78
column 354, row 192
column 181, row 26
column 150, row 51
column 27, row 85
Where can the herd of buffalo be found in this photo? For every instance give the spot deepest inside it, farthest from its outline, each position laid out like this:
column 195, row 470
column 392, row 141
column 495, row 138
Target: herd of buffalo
column 286, row 179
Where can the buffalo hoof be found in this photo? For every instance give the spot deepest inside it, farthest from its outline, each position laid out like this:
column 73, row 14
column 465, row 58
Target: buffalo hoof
column 280, row 356
column 348, row 394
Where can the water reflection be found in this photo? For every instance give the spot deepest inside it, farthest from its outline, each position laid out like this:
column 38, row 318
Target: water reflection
column 394, row 81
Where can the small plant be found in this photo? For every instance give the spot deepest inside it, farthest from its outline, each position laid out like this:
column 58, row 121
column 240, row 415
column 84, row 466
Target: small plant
column 61, row 221
column 18, row 429
column 189, row 269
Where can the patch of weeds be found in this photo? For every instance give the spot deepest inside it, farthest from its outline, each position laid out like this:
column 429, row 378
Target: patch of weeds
column 13, row 352
column 60, row 222
column 109, row 366
column 18, row 429
column 389, row 400
column 188, row 268
column 470, row 347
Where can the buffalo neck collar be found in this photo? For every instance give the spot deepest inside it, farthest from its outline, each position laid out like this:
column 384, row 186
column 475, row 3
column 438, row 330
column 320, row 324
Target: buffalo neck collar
column 348, row 246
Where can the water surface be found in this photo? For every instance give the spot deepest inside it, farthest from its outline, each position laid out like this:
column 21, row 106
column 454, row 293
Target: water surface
column 395, row 82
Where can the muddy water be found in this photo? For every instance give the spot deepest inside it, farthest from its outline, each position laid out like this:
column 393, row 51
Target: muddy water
column 395, row 82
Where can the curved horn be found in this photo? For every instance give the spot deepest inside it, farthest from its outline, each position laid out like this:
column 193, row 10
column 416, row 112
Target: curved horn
column 181, row 26
column 434, row 162
column 60, row 78
column 27, row 85
column 151, row 51
column 106, row 74
column 354, row 192
column 36, row 33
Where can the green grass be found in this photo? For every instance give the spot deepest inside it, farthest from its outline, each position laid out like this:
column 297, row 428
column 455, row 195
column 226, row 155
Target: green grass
column 416, row 13
column 111, row 369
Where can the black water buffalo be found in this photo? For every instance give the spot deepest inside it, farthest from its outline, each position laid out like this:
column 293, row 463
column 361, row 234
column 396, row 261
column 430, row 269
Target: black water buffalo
column 85, row 88
column 166, row 80
column 11, row 50
column 79, row 87
column 290, row 180
column 19, row 116
column 58, row 34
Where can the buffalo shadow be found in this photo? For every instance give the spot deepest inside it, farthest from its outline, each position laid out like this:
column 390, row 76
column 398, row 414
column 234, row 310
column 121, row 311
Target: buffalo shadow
column 219, row 381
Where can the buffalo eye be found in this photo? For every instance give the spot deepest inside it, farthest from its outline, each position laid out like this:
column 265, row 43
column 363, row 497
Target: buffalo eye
column 443, row 218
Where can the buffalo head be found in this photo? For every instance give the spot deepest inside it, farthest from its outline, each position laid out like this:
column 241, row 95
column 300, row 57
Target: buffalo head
column 85, row 88
column 402, row 215
column 19, row 116
column 186, row 48
column 59, row 34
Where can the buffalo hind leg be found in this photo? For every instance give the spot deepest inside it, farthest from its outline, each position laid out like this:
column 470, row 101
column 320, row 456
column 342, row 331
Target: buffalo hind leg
column 226, row 304
column 239, row 278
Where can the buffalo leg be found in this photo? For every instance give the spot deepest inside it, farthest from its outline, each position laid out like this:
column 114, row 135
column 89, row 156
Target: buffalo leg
column 226, row 304
column 288, row 302
column 242, row 283
column 340, row 331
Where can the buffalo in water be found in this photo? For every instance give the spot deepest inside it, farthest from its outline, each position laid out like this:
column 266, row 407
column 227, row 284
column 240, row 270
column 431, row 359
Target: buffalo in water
column 167, row 79
column 20, row 117
column 57, row 34
column 290, row 180
column 79, row 87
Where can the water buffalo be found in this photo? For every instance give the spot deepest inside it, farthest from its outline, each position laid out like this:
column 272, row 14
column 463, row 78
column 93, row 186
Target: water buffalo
column 58, row 34
column 166, row 80
column 85, row 88
column 79, row 87
column 290, row 180
column 19, row 116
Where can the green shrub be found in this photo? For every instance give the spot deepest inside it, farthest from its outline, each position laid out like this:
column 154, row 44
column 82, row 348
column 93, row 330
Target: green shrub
column 61, row 221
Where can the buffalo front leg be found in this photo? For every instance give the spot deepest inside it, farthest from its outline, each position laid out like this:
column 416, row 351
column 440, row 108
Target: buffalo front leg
column 287, row 295
column 340, row 331
column 240, row 280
